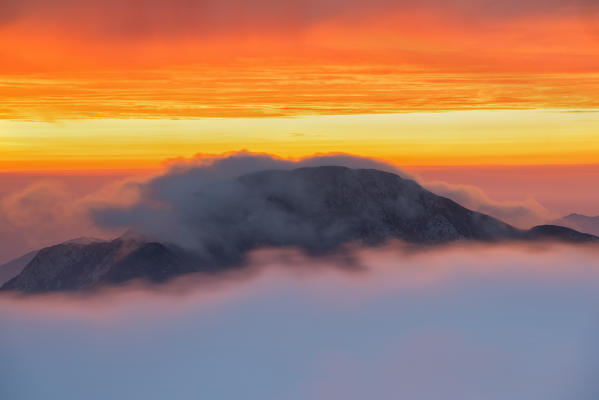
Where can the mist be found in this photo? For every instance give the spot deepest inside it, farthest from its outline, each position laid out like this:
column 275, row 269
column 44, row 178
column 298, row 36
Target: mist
column 457, row 322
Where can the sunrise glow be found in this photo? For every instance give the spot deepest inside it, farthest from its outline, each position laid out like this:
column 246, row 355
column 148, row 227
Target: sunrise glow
column 130, row 84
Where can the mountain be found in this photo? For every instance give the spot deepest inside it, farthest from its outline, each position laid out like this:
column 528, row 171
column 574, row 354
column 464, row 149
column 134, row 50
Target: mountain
column 70, row 266
column 13, row 268
column 317, row 209
column 559, row 233
column 580, row 222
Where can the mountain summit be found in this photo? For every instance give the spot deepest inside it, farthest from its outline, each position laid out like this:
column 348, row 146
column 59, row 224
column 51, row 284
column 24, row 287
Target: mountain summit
column 317, row 209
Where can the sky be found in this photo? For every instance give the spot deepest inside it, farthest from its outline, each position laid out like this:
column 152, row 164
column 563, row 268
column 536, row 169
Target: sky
column 128, row 84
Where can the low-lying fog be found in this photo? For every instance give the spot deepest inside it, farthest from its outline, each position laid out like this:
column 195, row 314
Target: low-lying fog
column 462, row 322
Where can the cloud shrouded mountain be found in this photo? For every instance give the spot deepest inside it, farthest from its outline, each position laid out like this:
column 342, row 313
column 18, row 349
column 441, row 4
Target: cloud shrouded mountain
column 46, row 212
column 189, row 221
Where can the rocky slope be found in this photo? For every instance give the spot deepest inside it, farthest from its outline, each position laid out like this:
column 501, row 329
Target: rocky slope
column 70, row 266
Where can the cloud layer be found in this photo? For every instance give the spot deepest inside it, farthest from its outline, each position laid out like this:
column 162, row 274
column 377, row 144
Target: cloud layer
column 457, row 323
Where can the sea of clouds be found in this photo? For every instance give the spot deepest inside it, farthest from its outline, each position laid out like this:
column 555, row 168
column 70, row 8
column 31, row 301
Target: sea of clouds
column 494, row 322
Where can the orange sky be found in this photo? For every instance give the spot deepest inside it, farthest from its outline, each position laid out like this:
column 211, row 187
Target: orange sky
column 127, row 84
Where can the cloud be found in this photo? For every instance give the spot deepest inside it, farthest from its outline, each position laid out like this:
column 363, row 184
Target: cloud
column 46, row 213
column 37, row 205
column 41, row 214
column 523, row 214
column 455, row 323
column 211, row 167
column 198, row 204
